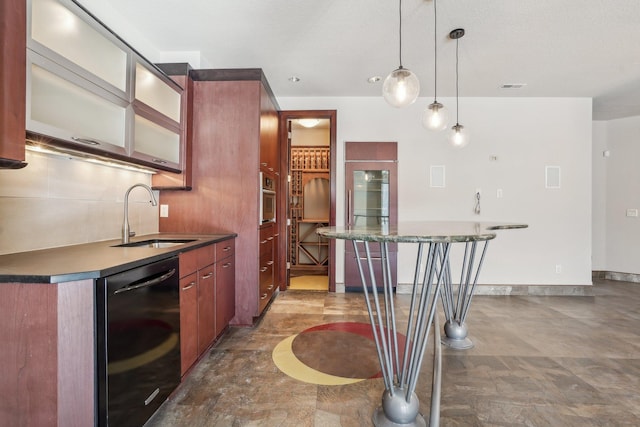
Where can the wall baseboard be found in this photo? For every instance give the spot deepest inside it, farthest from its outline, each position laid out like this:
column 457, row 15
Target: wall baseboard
column 539, row 290
column 521, row 290
column 614, row 275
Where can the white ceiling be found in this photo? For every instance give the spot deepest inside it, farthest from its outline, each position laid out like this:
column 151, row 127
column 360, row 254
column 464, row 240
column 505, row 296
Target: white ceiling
column 559, row 48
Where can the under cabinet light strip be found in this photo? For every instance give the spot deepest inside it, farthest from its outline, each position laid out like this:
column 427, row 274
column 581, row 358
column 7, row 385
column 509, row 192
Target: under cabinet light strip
column 38, row 148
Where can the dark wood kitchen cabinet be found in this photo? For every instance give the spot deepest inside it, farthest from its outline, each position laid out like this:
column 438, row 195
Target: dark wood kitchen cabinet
column 225, row 285
column 197, row 319
column 269, row 146
column 234, row 112
column 207, row 298
column 206, row 307
column 188, row 321
column 266, row 266
column 13, row 21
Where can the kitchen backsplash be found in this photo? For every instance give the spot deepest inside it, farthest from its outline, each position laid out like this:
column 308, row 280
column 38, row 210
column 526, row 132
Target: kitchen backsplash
column 57, row 201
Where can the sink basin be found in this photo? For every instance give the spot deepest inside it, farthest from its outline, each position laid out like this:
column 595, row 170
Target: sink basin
column 155, row 243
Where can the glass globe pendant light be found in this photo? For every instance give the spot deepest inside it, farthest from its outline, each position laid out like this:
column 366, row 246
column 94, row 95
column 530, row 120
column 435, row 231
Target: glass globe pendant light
column 436, row 115
column 401, row 87
column 458, row 136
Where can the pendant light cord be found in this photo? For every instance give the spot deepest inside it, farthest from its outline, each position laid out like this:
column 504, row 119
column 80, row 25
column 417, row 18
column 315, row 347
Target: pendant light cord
column 457, row 109
column 400, row 29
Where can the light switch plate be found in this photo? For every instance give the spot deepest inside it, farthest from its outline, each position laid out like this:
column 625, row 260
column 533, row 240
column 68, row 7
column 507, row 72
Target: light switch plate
column 164, row 211
column 632, row 212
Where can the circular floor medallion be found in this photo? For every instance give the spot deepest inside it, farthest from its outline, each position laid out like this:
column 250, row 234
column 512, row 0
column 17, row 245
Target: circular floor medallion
column 331, row 354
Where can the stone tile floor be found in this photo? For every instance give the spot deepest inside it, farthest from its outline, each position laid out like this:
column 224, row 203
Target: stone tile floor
column 537, row 361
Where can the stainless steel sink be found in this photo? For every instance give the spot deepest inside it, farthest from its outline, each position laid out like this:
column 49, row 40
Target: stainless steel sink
column 155, row 243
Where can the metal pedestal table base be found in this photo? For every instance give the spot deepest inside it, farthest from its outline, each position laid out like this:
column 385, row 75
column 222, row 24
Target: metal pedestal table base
column 456, row 303
column 401, row 366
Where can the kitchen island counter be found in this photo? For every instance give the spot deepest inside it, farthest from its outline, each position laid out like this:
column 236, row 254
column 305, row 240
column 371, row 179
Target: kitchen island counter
column 94, row 260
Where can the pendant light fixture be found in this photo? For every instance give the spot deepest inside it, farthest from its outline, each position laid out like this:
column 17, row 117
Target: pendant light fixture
column 436, row 115
column 401, row 87
column 458, row 136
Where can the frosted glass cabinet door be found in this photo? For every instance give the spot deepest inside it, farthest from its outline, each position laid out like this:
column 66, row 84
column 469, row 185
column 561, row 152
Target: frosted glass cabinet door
column 60, row 29
column 160, row 144
column 56, row 107
column 156, row 93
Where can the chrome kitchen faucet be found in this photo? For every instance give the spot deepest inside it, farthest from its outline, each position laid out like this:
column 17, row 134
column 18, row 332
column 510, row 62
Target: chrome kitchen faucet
column 126, row 232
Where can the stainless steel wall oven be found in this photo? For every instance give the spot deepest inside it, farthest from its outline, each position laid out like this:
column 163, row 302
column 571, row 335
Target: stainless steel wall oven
column 138, row 342
column 267, row 199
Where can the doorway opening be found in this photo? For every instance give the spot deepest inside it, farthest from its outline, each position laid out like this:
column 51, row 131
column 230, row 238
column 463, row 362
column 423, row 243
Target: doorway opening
column 309, row 198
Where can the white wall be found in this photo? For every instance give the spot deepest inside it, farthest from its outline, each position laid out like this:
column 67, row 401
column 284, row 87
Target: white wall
column 115, row 21
column 525, row 135
column 56, row 201
column 622, row 193
column 599, row 203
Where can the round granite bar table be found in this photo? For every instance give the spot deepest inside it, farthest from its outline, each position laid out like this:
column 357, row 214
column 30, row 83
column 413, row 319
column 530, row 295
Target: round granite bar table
column 400, row 364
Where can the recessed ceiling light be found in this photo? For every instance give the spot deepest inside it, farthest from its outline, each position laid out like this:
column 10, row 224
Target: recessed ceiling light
column 294, row 79
column 374, row 79
column 309, row 123
column 512, row 85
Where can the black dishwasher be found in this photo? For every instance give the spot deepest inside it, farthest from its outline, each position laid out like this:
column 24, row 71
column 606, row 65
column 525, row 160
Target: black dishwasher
column 138, row 342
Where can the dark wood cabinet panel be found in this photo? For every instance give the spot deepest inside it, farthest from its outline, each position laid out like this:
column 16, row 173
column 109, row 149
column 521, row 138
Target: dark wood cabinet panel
column 230, row 118
column 269, row 147
column 188, row 321
column 206, row 307
column 13, row 21
column 225, row 285
column 44, row 326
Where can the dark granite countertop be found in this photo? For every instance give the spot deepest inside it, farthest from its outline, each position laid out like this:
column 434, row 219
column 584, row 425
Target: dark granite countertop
column 93, row 260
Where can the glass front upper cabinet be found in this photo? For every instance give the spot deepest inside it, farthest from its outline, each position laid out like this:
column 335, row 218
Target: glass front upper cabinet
column 156, row 143
column 57, row 26
column 88, row 89
column 156, row 93
column 72, row 110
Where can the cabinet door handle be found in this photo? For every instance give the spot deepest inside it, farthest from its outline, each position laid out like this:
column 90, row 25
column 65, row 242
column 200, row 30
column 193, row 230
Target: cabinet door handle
column 270, row 287
column 269, row 262
column 226, row 265
column 263, row 296
column 349, row 207
column 189, row 286
column 147, row 283
column 206, row 276
column 269, row 238
column 263, row 242
column 160, row 161
column 263, row 269
column 85, row 140
column 226, row 249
